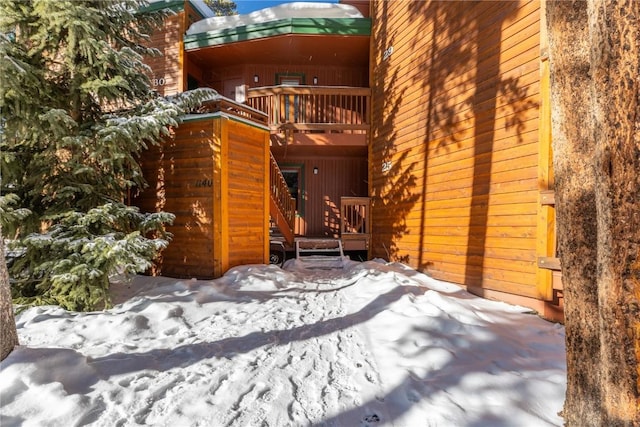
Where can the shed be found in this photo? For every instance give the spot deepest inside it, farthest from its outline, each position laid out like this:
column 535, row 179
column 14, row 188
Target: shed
column 213, row 174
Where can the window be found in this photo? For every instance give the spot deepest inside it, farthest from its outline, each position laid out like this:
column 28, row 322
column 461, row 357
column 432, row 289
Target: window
column 290, row 79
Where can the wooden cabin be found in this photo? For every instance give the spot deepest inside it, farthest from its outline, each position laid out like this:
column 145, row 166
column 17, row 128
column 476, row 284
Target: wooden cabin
column 460, row 152
column 418, row 131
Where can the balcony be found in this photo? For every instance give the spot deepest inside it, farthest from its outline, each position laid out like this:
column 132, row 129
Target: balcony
column 309, row 114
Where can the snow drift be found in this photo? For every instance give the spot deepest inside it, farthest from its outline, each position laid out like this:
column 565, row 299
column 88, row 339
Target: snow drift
column 373, row 344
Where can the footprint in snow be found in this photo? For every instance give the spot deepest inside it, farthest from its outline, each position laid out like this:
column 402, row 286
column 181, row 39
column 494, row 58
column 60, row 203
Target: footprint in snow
column 373, row 418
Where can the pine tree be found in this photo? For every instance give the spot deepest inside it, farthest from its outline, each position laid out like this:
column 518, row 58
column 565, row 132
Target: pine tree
column 222, row 7
column 8, row 332
column 594, row 52
column 77, row 111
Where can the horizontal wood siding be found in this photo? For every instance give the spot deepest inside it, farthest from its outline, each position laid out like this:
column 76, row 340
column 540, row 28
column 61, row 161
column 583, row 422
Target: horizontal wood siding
column 180, row 175
column 319, row 210
column 248, row 187
column 454, row 155
column 213, row 175
column 166, row 69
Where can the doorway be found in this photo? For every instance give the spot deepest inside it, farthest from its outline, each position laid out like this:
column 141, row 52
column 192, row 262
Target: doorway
column 294, row 177
column 229, row 88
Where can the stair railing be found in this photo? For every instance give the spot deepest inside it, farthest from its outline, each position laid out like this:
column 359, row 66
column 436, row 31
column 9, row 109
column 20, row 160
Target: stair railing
column 281, row 196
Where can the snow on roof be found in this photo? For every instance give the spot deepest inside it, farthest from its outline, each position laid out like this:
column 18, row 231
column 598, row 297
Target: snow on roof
column 283, row 11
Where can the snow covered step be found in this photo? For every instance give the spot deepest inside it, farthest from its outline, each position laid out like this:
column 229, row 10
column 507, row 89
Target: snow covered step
column 320, row 253
column 317, row 246
column 321, row 262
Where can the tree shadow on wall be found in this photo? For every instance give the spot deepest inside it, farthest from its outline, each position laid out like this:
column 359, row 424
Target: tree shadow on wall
column 468, row 103
column 393, row 183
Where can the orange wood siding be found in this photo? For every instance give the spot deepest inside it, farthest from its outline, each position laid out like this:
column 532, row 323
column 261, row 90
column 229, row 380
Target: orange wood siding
column 180, row 174
column 167, row 68
column 247, row 183
column 213, row 175
column 455, row 150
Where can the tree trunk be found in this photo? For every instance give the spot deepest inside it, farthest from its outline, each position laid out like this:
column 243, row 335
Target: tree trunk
column 8, row 333
column 595, row 90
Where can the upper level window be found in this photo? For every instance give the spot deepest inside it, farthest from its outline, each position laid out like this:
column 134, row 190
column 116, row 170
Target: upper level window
column 290, row 79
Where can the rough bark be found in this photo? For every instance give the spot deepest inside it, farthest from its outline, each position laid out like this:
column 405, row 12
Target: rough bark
column 595, row 91
column 8, row 333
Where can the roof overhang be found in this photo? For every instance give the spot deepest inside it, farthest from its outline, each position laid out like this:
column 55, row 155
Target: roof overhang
column 310, row 41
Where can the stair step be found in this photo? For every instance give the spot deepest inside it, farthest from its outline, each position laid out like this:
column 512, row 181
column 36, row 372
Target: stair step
column 308, row 251
column 321, row 262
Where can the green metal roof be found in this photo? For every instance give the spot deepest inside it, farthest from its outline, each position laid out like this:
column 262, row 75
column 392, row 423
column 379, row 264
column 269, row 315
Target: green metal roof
column 308, row 26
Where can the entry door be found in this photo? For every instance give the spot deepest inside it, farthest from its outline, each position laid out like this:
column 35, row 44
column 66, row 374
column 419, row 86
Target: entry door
column 295, row 182
column 293, row 178
column 229, row 87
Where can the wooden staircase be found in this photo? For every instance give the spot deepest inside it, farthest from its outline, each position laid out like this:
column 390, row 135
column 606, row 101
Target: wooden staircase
column 355, row 218
column 282, row 207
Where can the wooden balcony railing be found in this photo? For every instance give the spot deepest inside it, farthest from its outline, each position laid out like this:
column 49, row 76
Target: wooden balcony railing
column 355, row 222
column 313, row 108
column 221, row 103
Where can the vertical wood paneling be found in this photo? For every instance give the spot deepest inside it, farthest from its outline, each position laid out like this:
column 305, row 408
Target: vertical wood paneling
column 336, row 177
column 546, row 243
column 332, row 75
column 454, row 156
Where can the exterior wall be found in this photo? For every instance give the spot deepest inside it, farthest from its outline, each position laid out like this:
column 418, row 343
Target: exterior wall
column 166, row 76
column 362, row 5
column 180, row 175
column 333, row 75
column 247, row 193
column 319, row 209
column 213, row 175
column 455, row 150
column 167, row 70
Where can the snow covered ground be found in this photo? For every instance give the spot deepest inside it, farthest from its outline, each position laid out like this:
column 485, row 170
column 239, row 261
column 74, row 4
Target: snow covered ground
column 374, row 344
